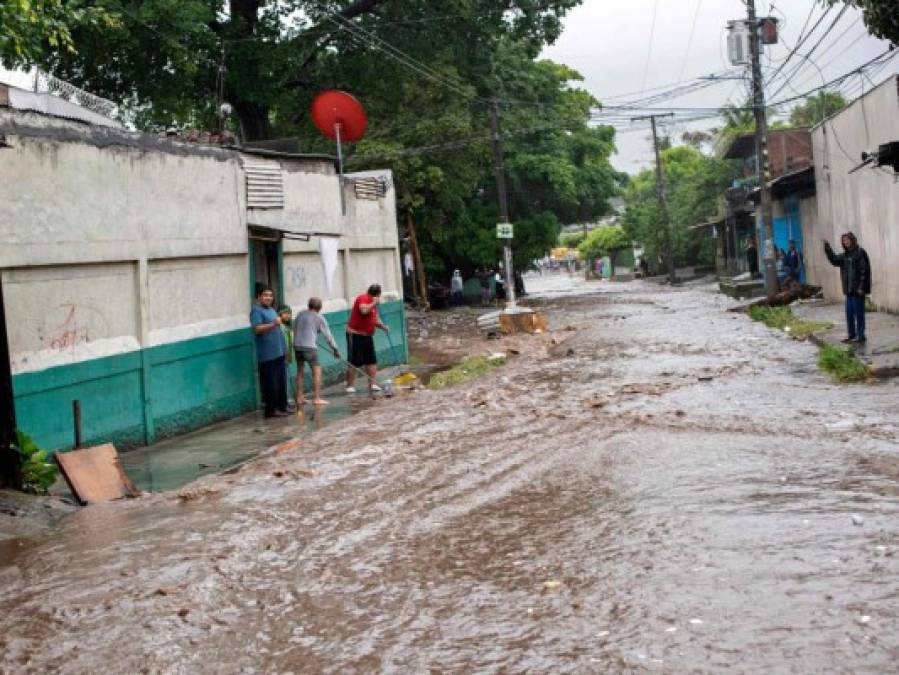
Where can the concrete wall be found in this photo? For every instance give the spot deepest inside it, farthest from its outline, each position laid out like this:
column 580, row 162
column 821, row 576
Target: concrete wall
column 368, row 238
column 126, row 275
column 865, row 202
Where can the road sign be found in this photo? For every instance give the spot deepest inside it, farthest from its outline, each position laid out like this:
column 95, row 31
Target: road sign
column 504, row 231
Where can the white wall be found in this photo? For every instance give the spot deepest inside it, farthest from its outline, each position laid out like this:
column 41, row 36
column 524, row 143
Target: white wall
column 865, row 202
column 114, row 240
column 368, row 244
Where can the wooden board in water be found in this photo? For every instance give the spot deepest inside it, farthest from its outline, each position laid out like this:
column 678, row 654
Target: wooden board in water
column 95, row 474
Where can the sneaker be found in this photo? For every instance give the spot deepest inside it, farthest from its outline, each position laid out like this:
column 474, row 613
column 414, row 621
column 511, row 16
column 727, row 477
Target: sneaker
column 375, row 387
column 848, row 341
column 862, row 340
column 350, row 390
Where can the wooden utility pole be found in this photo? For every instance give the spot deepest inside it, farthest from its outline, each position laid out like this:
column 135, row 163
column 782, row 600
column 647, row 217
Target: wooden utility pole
column 416, row 259
column 660, row 194
column 761, row 150
column 502, row 196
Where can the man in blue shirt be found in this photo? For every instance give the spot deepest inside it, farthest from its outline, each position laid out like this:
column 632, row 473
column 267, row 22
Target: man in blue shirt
column 270, row 350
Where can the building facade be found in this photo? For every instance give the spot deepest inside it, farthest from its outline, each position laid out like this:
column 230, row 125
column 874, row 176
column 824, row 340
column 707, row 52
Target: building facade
column 128, row 265
column 864, row 201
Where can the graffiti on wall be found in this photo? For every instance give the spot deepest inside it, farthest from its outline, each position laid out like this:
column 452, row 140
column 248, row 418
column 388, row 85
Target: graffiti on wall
column 78, row 325
column 295, row 277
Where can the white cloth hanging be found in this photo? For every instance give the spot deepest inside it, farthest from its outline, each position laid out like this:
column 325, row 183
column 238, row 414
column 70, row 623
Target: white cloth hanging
column 327, row 248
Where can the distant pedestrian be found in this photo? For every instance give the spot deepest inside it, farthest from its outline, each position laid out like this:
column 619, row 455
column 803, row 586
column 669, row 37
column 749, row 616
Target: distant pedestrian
column 308, row 326
column 793, row 262
column 601, row 268
column 500, row 285
column 855, row 273
column 752, row 256
column 270, row 348
column 519, row 285
column 484, row 279
column 360, row 341
column 285, row 313
column 457, row 288
column 644, row 266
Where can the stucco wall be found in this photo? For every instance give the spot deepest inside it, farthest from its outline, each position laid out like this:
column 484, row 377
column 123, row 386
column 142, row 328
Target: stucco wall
column 865, row 202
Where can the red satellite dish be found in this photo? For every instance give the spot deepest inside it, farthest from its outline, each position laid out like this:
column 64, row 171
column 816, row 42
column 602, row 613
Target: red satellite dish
column 339, row 115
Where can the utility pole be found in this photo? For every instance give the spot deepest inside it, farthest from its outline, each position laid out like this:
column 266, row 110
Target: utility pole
column 761, row 149
column 502, row 196
column 660, row 194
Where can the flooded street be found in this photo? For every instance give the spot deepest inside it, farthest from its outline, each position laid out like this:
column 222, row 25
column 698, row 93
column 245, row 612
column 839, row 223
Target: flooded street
column 657, row 486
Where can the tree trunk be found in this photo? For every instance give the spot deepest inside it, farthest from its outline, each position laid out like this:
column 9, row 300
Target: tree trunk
column 416, row 256
column 254, row 123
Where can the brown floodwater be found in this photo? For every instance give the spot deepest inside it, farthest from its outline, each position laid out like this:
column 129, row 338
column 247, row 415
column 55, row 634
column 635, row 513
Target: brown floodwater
column 669, row 488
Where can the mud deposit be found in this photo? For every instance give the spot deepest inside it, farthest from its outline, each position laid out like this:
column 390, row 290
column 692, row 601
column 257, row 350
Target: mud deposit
column 664, row 487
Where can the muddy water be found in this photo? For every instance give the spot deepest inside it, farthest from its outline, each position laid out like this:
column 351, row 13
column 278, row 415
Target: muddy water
column 671, row 488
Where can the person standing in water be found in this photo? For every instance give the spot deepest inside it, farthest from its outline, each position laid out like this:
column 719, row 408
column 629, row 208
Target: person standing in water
column 360, row 340
column 308, row 325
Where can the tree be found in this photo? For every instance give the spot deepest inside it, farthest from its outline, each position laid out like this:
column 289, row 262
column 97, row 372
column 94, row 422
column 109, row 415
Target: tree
column 694, row 186
column 604, row 241
column 171, row 61
column 815, row 109
column 32, row 27
column 881, row 17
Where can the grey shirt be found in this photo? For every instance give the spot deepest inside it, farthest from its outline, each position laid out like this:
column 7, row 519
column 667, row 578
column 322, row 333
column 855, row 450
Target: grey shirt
column 307, row 326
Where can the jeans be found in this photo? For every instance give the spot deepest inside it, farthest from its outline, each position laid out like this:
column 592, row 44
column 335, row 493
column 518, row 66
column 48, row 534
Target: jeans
column 855, row 316
column 273, row 383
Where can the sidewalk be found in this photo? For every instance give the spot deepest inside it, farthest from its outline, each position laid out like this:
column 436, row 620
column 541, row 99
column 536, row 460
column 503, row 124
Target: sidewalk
column 881, row 352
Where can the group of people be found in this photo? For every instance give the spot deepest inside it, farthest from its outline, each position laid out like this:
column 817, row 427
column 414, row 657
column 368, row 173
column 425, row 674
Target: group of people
column 790, row 260
column 282, row 340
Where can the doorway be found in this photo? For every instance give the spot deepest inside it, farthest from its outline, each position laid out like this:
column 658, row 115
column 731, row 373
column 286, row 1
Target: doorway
column 265, row 263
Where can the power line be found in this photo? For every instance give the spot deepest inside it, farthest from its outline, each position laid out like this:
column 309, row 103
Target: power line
column 652, row 34
column 812, row 50
column 683, row 64
column 802, row 38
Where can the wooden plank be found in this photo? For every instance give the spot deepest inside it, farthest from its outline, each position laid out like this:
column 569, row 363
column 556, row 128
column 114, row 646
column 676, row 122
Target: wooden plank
column 95, row 475
column 524, row 322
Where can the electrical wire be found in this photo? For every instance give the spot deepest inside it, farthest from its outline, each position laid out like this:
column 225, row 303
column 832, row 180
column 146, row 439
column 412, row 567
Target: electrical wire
column 683, row 64
column 652, row 34
column 803, row 36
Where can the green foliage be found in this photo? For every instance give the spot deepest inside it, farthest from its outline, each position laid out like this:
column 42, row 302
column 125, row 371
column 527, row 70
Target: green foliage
column 881, row 17
column 842, row 364
column 694, row 184
column 470, row 368
column 572, row 239
column 815, row 109
column 162, row 61
column 31, row 28
column 37, row 473
column 782, row 318
column 604, row 241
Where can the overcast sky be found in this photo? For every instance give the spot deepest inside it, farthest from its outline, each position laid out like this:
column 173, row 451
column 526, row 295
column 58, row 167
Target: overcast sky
column 608, row 42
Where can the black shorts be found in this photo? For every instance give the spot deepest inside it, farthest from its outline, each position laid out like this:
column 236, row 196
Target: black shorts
column 306, row 355
column 360, row 350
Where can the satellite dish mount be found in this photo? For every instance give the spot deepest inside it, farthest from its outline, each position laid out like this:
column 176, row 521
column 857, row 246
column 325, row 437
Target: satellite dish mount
column 341, row 117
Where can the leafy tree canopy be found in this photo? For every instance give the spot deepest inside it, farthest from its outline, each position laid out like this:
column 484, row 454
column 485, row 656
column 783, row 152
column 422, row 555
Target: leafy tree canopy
column 29, row 28
column 604, row 241
column 694, row 183
column 881, row 17
column 815, row 109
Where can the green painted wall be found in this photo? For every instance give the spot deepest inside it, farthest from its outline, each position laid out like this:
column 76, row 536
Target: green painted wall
column 135, row 398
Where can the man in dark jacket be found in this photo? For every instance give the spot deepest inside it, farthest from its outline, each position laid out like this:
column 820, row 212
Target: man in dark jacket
column 855, row 271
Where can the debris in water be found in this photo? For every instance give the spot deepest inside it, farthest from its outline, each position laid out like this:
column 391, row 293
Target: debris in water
column 705, row 378
column 551, row 585
column 857, row 520
column 602, row 633
column 194, row 493
column 696, row 622
column 671, row 629
column 596, row 403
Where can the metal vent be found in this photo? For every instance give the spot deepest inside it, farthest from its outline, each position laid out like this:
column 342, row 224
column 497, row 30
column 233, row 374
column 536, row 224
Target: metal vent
column 370, row 188
column 265, row 185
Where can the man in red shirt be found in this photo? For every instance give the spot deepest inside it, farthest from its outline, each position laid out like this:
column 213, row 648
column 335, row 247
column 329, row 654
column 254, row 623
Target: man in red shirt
column 360, row 341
